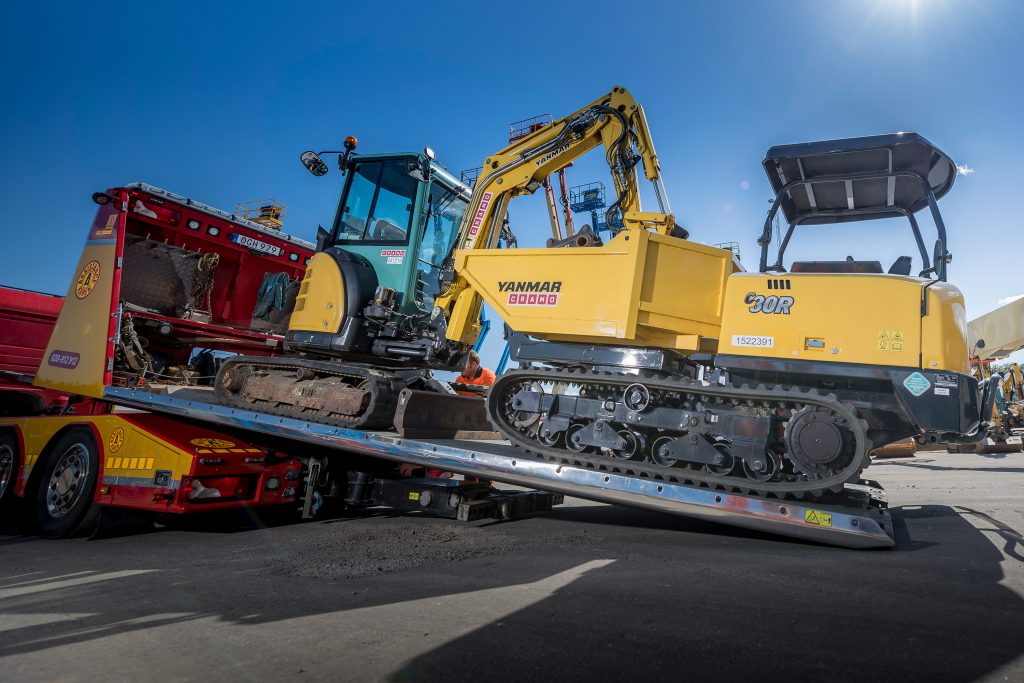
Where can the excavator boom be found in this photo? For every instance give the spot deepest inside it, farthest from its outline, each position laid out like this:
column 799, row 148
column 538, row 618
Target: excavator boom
column 478, row 271
column 615, row 121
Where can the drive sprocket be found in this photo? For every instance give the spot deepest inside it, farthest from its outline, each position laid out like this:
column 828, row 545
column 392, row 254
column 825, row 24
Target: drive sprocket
column 819, row 442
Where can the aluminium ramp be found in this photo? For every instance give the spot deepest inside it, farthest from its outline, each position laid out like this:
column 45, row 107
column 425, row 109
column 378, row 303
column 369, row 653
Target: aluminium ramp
column 857, row 518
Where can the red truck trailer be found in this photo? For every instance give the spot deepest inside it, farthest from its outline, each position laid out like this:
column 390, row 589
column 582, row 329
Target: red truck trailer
column 26, row 321
column 205, row 283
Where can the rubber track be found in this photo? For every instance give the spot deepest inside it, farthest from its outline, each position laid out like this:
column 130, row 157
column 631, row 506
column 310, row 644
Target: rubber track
column 380, row 412
column 678, row 475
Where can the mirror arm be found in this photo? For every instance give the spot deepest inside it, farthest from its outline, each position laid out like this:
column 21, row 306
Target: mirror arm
column 321, row 238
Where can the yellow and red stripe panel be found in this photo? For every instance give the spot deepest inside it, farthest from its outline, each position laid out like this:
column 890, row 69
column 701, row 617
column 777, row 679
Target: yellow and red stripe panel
column 151, row 462
column 77, row 358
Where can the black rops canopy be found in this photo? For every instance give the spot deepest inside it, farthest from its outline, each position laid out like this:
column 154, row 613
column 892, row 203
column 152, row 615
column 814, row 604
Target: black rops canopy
column 857, row 178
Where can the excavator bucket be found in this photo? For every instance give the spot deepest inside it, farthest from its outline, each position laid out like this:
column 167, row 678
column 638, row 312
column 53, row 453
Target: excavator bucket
column 430, row 415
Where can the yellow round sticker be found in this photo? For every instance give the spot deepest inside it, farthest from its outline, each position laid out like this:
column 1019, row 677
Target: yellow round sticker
column 87, row 279
column 212, row 443
column 116, row 440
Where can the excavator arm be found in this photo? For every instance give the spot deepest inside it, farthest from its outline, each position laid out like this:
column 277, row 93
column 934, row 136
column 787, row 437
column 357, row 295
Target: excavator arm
column 614, row 121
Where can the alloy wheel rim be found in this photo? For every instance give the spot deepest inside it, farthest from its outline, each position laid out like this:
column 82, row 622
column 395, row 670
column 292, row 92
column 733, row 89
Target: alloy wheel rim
column 6, row 468
column 67, row 480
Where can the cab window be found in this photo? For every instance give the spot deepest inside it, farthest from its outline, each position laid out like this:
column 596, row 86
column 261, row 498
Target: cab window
column 378, row 207
column 444, row 218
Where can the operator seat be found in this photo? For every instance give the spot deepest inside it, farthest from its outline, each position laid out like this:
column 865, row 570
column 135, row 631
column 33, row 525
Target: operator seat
column 900, row 266
column 847, row 266
column 352, row 228
column 384, row 229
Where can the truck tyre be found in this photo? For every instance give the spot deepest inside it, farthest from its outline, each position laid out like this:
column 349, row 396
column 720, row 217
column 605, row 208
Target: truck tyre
column 66, row 486
column 9, row 457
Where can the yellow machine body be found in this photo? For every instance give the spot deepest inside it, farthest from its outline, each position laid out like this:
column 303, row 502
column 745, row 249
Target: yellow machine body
column 320, row 304
column 667, row 292
column 867, row 319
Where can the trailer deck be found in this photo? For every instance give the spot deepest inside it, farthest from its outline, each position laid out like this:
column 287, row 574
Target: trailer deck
column 856, row 518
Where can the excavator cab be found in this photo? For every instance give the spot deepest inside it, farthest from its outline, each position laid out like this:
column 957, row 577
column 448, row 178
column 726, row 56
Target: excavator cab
column 370, row 289
column 365, row 333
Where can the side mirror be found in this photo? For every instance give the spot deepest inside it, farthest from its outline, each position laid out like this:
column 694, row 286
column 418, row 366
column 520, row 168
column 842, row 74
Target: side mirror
column 415, row 170
column 313, row 163
column 321, row 237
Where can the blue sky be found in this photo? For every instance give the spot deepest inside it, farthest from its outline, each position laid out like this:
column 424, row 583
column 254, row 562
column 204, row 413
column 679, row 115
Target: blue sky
column 215, row 101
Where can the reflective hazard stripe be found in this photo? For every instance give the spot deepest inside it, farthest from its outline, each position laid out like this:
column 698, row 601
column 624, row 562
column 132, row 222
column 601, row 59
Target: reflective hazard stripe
column 115, row 463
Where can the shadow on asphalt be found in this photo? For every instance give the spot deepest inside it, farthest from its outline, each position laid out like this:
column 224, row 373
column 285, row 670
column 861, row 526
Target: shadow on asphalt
column 635, row 518
column 1013, row 538
column 763, row 613
column 683, row 599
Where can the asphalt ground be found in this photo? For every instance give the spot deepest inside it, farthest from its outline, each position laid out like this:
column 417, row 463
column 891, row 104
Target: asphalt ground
column 586, row 592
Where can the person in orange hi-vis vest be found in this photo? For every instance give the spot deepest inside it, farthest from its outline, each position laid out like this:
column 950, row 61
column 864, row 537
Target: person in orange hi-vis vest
column 474, row 373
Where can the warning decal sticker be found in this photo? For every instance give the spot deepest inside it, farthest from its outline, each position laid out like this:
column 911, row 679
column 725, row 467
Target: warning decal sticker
column 817, row 518
column 890, row 340
column 917, row 384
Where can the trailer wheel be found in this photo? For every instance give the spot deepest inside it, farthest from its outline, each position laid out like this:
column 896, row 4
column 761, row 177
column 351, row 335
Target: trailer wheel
column 64, row 494
column 8, row 476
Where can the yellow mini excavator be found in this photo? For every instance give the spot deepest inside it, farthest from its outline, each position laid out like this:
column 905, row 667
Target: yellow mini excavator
column 689, row 370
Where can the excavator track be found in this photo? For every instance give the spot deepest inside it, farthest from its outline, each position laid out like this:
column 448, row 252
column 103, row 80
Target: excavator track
column 524, row 431
column 341, row 394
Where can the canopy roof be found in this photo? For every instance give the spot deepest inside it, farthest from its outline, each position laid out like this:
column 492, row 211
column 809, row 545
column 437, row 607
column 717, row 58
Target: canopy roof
column 836, row 181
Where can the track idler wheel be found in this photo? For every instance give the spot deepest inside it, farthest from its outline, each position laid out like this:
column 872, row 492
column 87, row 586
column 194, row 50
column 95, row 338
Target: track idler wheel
column 763, row 469
column 637, row 397
column 635, row 446
column 727, row 464
column 231, row 378
column 547, row 436
column 572, row 439
column 661, row 453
